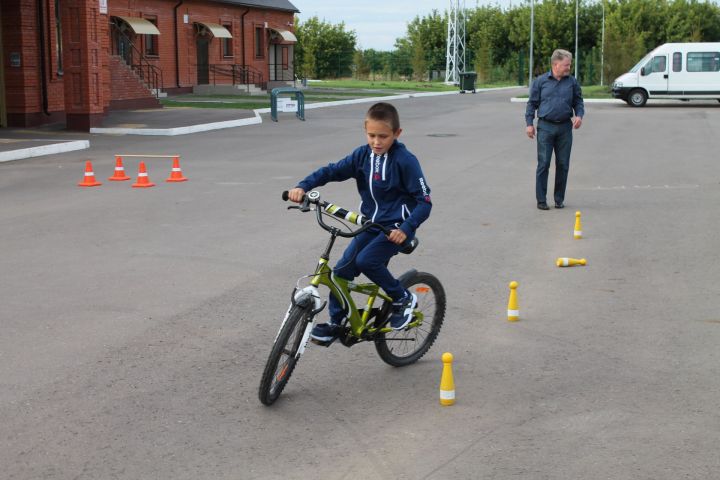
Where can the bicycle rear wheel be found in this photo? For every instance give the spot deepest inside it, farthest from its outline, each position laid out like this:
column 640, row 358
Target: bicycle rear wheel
column 284, row 355
column 403, row 347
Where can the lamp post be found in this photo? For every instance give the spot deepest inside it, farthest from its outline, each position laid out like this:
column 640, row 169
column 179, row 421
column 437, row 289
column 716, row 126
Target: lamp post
column 602, row 45
column 532, row 33
column 577, row 60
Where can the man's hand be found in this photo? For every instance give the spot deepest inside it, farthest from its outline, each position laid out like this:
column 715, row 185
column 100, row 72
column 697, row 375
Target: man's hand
column 530, row 130
column 397, row 237
column 577, row 122
column 296, row 194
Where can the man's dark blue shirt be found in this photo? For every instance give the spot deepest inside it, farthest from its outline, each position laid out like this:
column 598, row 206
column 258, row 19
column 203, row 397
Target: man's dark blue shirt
column 554, row 100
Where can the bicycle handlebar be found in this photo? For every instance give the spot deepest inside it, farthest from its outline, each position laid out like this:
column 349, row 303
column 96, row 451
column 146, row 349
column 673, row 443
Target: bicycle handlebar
column 339, row 212
column 313, row 197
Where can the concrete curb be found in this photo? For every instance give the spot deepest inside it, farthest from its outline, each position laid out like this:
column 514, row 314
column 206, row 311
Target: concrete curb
column 203, row 127
column 44, row 150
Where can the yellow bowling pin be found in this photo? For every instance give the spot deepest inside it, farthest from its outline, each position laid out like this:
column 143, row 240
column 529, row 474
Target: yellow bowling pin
column 578, row 226
column 447, row 384
column 570, row 262
column 513, row 312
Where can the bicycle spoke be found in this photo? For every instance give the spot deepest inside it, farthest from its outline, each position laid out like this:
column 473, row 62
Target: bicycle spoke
column 404, row 347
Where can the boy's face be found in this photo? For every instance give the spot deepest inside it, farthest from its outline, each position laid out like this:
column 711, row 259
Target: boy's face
column 380, row 136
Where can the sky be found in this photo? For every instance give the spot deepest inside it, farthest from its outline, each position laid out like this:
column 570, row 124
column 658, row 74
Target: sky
column 378, row 23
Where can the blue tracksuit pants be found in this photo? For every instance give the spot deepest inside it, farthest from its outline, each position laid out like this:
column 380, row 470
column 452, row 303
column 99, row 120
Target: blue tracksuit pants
column 368, row 253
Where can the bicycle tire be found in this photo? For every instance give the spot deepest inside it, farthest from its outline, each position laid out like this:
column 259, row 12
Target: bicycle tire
column 277, row 374
column 393, row 346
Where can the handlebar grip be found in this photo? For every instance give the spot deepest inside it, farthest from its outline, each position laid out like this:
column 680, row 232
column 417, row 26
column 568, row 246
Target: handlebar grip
column 285, row 196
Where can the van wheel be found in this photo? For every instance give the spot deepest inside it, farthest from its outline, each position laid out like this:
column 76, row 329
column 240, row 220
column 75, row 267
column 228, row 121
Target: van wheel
column 637, row 98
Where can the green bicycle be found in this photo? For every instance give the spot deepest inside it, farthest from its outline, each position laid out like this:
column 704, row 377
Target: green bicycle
column 368, row 324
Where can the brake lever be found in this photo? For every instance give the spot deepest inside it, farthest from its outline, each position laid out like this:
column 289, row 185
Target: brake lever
column 301, row 208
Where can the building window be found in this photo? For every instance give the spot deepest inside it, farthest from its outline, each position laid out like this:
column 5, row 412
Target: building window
column 703, row 62
column 285, row 57
column 227, row 43
column 151, row 41
column 259, row 42
column 677, row 62
column 58, row 39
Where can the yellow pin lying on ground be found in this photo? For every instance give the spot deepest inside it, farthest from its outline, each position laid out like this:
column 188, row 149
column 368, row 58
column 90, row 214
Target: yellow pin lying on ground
column 513, row 311
column 447, row 384
column 578, row 226
column 570, row 262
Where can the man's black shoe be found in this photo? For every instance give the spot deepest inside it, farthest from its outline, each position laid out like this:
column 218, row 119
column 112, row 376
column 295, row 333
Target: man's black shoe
column 543, row 206
column 559, row 205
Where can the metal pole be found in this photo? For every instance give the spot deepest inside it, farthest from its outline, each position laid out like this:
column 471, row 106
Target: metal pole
column 532, row 33
column 577, row 60
column 602, row 46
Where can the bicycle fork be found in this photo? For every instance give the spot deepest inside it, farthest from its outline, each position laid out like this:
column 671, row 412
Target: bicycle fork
column 308, row 297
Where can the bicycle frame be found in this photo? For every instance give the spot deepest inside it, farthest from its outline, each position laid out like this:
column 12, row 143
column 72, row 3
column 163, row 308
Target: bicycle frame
column 341, row 289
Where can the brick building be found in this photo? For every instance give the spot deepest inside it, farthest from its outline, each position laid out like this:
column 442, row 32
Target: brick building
column 74, row 60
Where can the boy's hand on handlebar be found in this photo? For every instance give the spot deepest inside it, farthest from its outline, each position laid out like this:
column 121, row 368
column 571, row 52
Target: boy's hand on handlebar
column 296, row 194
column 397, row 237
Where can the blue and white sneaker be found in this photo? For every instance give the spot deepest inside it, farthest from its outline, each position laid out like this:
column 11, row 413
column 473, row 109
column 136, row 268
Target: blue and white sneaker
column 325, row 332
column 402, row 311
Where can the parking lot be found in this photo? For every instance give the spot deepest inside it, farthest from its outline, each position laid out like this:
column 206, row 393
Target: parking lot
column 136, row 322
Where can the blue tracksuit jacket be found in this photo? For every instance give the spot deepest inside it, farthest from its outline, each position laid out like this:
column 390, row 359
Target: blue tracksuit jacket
column 392, row 186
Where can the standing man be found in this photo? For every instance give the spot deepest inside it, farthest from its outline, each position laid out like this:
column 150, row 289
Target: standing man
column 555, row 95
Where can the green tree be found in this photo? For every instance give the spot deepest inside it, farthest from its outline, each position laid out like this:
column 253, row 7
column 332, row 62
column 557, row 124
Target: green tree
column 428, row 41
column 361, row 67
column 324, row 50
column 375, row 61
column 401, row 59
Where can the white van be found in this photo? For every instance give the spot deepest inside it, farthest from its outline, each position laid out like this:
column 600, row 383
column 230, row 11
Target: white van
column 681, row 71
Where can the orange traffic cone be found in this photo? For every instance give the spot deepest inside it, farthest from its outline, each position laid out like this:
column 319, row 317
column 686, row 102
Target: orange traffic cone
column 176, row 174
column 89, row 179
column 119, row 174
column 143, row 181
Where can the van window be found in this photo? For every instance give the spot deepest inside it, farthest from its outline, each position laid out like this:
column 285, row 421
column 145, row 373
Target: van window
column 640, row 63
column 657, row 64
column 703, row 62
column 677, row 62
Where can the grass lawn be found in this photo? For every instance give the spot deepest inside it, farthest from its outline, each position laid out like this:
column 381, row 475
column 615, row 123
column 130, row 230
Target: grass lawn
column 317, row 91
column 391, row 85
column 590, row 91
column 242, row 105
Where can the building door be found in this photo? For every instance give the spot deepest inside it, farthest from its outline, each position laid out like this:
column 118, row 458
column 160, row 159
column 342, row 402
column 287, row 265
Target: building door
column 279, row 58
column 124, row 48
column 203, row 68
column 272, row 62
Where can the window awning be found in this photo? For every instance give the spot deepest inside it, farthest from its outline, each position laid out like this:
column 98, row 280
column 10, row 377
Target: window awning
column 141, row 26
column 286, row 35
column 217, row 30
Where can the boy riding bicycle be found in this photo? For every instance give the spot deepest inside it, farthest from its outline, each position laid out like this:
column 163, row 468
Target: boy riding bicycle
column 394, row 194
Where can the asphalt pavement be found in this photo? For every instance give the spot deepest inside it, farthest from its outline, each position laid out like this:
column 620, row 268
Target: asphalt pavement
column 136, row 322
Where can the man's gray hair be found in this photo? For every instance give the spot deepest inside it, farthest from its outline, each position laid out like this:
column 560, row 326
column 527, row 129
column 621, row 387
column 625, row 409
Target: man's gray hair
column 559, row 55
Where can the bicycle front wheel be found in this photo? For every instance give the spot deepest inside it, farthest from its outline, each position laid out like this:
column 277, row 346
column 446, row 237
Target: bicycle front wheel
column 284, row 354
column 403, row 347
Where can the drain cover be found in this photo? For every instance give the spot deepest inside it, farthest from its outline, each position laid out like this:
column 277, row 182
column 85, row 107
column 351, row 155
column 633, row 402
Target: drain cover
column 442, row 134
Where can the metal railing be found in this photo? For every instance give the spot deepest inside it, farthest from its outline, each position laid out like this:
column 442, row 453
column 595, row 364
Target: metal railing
column 235, row 73
column 149, row 74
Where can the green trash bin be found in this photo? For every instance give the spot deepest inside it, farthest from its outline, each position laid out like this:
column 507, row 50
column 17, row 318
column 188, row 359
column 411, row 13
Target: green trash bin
column 467, row 82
